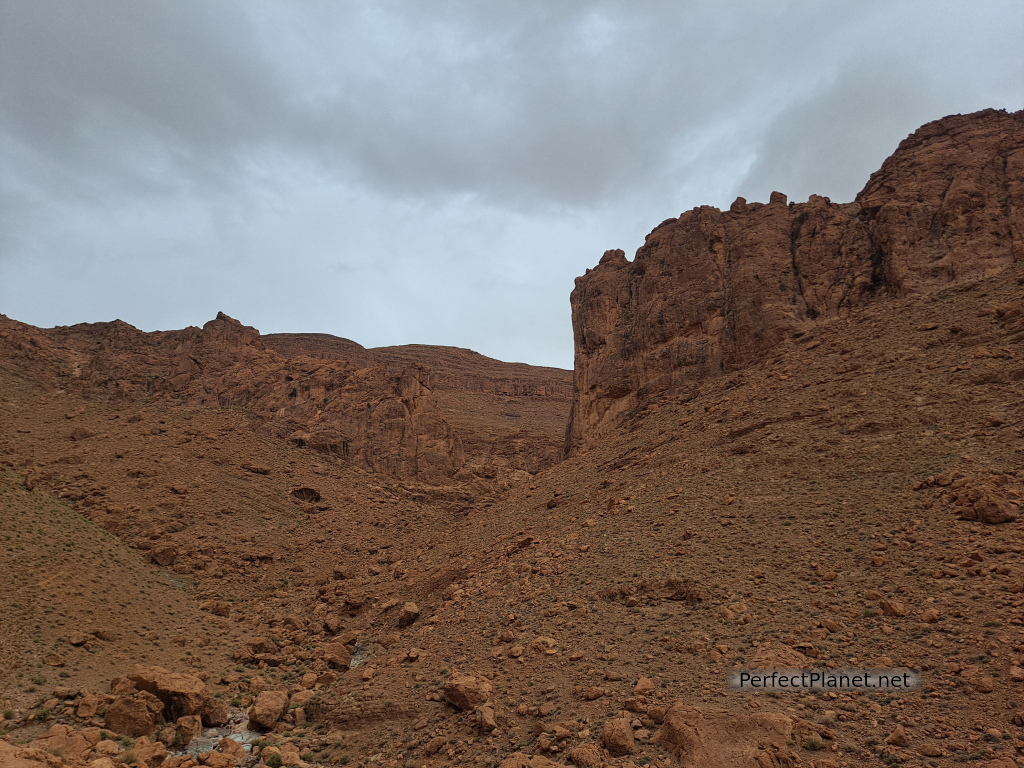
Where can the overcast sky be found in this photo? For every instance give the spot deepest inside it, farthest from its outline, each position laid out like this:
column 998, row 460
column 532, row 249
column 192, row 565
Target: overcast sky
column 435, row 171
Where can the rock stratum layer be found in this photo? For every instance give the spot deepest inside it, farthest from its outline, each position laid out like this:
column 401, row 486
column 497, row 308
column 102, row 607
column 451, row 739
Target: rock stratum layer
column 712, row 291
column 373, row 417
column 510, row 417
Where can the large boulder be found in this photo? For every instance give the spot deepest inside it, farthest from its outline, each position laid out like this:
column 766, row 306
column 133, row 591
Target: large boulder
column 617, row 736
column 135, row 714
column 267, row 709
column 181, row 694
column 709, row 738
column 467, row 691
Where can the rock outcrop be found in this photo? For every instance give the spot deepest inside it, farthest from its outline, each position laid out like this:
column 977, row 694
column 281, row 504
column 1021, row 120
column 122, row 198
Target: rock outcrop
column 712, row 291
column 375, row 417
column 509, row 417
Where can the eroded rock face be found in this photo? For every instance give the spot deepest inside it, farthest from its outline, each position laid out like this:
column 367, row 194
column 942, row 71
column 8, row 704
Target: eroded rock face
column 712, row 291
column 370, row 416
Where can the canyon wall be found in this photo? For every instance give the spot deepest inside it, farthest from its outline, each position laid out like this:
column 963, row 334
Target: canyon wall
column 711, row 291
column 385, row 420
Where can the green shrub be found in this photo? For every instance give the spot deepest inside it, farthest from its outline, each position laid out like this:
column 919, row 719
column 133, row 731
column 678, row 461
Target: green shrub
column 814, row 744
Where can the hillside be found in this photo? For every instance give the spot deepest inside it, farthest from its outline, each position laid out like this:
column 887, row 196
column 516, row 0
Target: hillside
column 751, row 484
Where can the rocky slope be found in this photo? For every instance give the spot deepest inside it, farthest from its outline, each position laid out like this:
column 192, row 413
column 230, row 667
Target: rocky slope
column 712, row 291
column 850, row 497
column 824, row 507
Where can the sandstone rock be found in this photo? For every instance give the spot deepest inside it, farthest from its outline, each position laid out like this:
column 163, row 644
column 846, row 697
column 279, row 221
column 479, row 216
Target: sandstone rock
column 713, row 291
column 898, row 737
column 164, row 554
column 644, row 687
column 708, row 738
column 985, row 504
column 188, row 727
column 586, row 756
column 290, row 754
column 79, row 638
column 338, row 655
column 467, row 691
column 107, row 747
column 776, row 655
column 410, row 612
column 215, row 713
column 617, row 736
column 218, row 760
column 485, row 718
column 930, row 616
column 268, row 708
column 434, row 745
column 231, row 748
column 181, row 694
column 90, row 705
column 151, row 753
column 65, row 741
column 983, row 683
column 894, row 608
column 1001, row 762
column 134, row 715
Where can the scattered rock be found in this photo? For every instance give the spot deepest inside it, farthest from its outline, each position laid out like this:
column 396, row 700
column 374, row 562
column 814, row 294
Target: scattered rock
column 898, row 737
column 586, row 756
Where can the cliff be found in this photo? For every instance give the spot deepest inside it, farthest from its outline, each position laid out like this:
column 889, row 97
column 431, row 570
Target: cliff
column 374, row 417
column 510, row 417
column 712, row 291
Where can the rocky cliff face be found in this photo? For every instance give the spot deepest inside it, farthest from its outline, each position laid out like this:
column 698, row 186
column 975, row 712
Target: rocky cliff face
column 382, row 419
column 712, row 291
column 510, row 417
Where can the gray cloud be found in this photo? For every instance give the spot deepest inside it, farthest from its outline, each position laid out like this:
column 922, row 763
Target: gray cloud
column 433, row 172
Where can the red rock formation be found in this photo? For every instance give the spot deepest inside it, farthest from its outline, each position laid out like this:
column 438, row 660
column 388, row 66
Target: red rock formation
column 713, row 290
column 385, row 421
column 510, row 417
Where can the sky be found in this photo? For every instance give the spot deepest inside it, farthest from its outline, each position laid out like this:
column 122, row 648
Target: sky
column 401, row 171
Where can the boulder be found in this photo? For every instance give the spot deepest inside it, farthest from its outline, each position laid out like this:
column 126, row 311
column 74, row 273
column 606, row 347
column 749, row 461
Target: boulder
column 267, row 709
column 617, row 736
column 467, row 691
column 707, row 738
column 410, row 612
column 181, row 694
column 135, row 714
